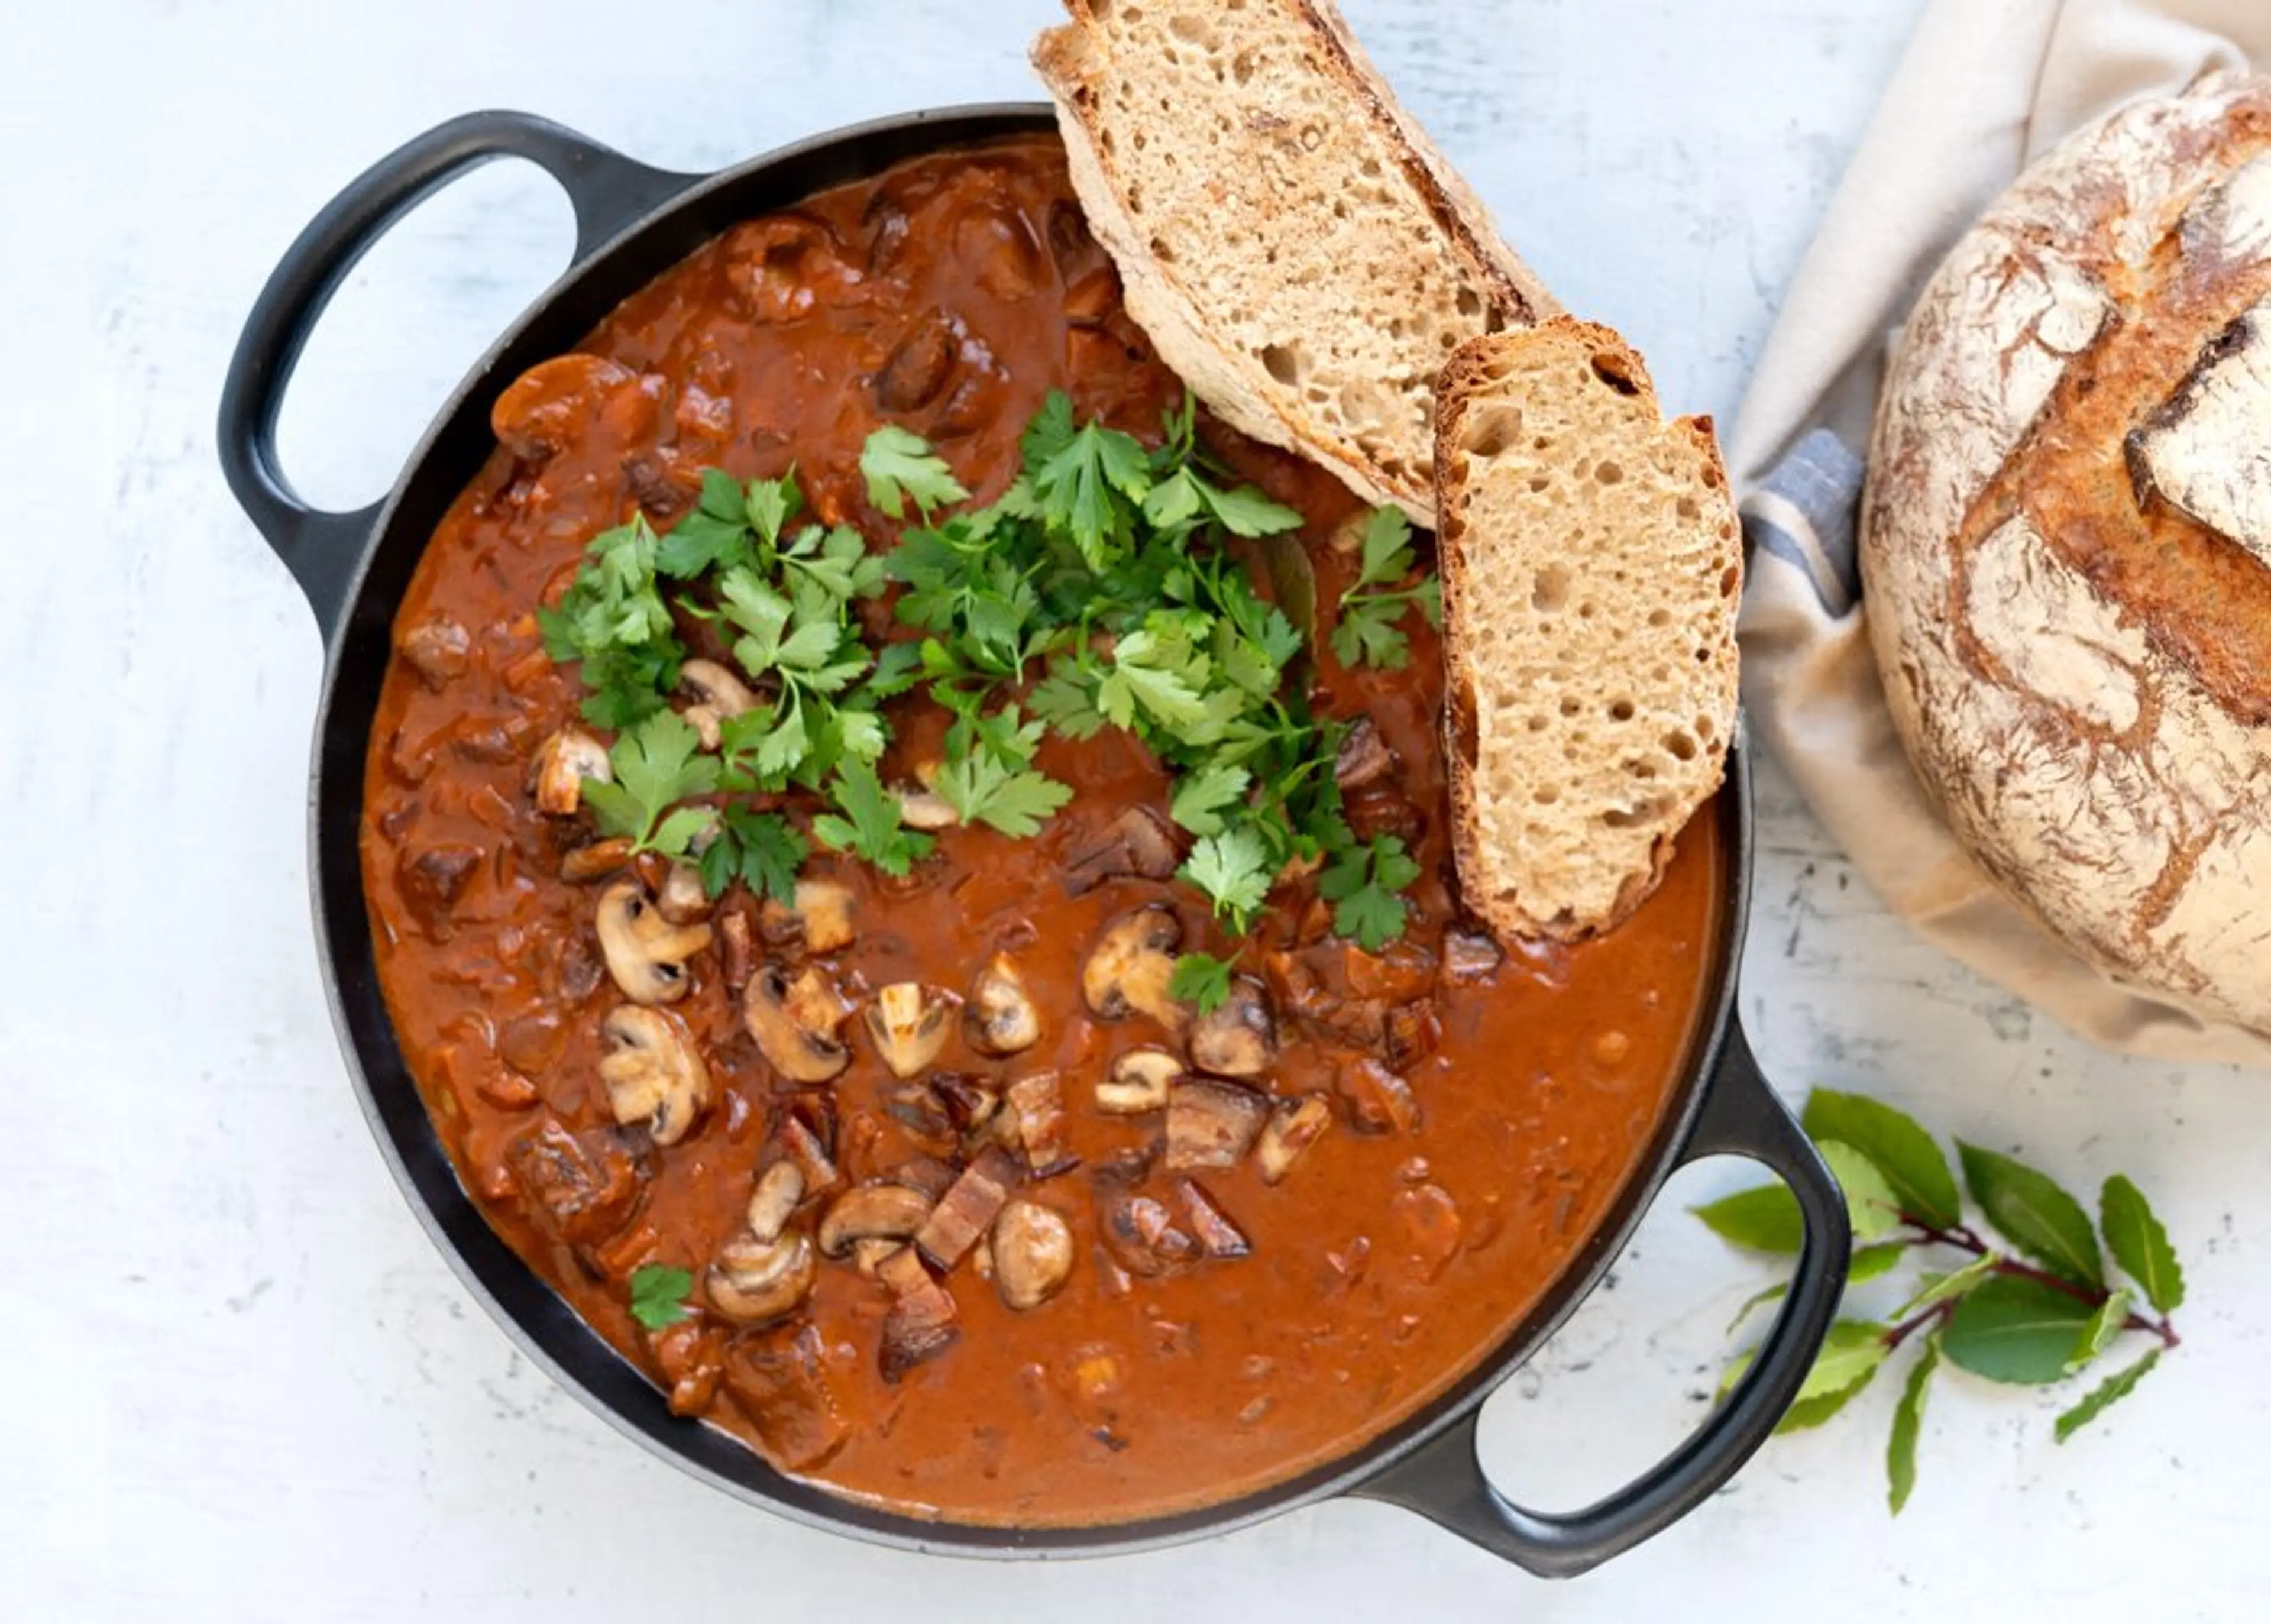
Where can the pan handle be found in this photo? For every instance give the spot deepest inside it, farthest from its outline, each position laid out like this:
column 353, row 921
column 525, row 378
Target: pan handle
column 1442, row 1479
column 324, row 550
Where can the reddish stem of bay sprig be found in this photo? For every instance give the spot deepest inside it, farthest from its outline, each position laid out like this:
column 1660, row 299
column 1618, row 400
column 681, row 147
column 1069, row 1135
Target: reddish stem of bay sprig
column 1963, row 1240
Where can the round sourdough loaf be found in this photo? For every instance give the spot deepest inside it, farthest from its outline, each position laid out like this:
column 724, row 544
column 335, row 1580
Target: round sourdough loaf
column 2066, row 543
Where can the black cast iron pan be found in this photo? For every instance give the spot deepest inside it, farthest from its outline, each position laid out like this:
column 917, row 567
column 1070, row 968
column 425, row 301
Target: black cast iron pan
column 633, row 223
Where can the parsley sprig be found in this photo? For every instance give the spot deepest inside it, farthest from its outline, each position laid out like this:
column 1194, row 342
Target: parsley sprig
column 1104, row 587
column 1366, row 632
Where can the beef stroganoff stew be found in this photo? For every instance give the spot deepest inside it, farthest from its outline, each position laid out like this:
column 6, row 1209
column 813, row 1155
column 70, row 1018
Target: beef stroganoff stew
column 914, row 879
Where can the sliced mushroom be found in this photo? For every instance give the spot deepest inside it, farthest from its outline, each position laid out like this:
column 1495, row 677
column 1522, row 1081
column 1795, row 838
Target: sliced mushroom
column 646, row 952
column 682, row 900
column 925, row 808
column 1238, row 1038
column 597, row 860
column 718, row 694
column 1141, row 1233
column 821, row 920
column 1037, row 1104
column 794, row 1025
column 778, row 1191
column 561, row 763
column 921, row 1323
column 967, row 1209
column 872, row 1212
column 1364, row 759
column 908, row 1022
column 1000, row 1017
column 810, row 1153
column 1378, row 1101
column 917, row 1108
column 1032, row 1253
column 1129, row 969
column 1294, row 1127
column 1217, row 1236
column 968, row 1102
column 1139, row 1082
column 1211, row 1124
column 1470, row 956
column 1138, row 844
column 755, row 1282
column 654, row 1072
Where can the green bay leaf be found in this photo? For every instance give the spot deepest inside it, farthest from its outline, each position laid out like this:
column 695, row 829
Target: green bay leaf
column 2043, row 1221
column 2016, row 1330
column 2104, row 1396
column 2140, row 1245
column 1908, row 1422
column 1765, row 1219
column 1909, row 1157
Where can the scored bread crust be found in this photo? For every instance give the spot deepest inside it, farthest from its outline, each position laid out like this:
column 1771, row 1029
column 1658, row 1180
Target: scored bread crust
column 2077, row 669
column 1592, row 564
column 1078, row 61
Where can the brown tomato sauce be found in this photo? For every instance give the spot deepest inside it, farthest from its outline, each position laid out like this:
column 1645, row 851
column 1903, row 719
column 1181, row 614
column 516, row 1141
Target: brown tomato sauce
column 1485, row 1110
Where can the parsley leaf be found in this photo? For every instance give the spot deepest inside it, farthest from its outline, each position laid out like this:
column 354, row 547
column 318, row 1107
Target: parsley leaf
column 1234, row 870
column 1092, row 488
column 1366, row 633
column 869, row 824
column 1202, row 981
column 658, row 1294
column 1202, row 797
column 898, row 465
column 656, row 764
column 761, row 849
column 1364, row 884
column 612, row 620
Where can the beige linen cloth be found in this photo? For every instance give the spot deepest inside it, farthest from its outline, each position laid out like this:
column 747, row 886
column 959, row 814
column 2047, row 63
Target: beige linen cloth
column 1987, row 88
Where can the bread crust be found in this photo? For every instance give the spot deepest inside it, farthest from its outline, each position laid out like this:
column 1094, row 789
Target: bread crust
column 1490, row 877
column 2079, row 671
column 1234, row 386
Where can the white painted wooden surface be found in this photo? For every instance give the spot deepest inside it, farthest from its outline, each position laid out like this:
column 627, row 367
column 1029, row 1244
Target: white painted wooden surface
column 239, row 1384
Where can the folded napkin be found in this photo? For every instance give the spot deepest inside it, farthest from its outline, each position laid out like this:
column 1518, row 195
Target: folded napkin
column 1987, row 88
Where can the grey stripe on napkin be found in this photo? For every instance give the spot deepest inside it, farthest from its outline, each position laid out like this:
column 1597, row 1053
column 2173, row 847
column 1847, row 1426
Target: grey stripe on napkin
column 1806, row 512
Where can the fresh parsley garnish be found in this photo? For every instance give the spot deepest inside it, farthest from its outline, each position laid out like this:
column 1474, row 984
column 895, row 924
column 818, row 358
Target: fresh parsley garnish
column 897, row 465
column 658, row 1294
column 762, row 850
column 1366, row 633
column 657, row 764
column 1366, row 882
column 1234, row 870
column 868, row 823
column 1202, row 981
column 613, row 620
column 1102, row 588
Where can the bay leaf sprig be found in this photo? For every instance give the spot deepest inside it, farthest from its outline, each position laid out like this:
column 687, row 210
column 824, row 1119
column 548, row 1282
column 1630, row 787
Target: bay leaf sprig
column 2032, row 1303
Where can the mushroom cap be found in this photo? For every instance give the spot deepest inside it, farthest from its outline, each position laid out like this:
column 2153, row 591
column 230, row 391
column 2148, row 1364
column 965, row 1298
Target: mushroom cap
column 654, row 1072
column 881, row 1211
column 908, row 1022
column 1238, row 1038
column 1131, row 965
column 1033, row 1252
column 561, row 763
column 793, row 1025
column 755, row 1282
column 1000, row 1016
column 646, row 954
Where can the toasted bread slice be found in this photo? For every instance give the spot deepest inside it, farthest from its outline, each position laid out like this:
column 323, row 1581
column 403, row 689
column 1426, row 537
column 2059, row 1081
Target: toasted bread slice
column 1592, row 563
column 1296, row 249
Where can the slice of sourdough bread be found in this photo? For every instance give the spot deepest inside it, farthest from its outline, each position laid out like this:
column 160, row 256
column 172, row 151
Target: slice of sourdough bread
column 1592, row 563
column 1295, row 248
